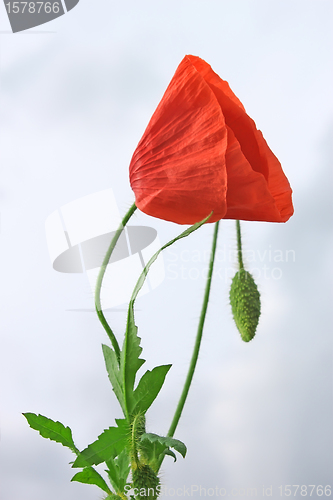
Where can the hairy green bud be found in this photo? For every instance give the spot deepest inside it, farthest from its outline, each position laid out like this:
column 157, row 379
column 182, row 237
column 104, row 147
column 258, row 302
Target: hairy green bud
column 146, row 481
column 245, row 304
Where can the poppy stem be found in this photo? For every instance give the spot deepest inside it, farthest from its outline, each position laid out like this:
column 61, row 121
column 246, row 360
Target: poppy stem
column 197, row 344
column 239, row 245
column 100, row 277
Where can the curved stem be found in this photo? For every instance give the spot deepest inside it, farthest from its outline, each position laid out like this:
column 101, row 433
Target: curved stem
column 131, row 361
column 197, row 344
column 100, row 279
column 239, row 245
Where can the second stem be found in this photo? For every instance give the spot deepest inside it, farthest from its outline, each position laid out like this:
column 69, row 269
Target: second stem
column 198, row 338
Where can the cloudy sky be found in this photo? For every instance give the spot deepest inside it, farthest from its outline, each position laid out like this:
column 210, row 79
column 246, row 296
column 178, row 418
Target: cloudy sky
column 76, row 95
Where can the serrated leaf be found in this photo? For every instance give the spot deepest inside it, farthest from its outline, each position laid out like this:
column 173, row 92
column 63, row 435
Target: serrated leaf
column 123, row 463
column 90, row 476
column 108, row 445
column 130, row 361
column 118, row 470
column 148, row 388
column 50, row 429
column 113, row 473
column 114, row 374
column 164, row 443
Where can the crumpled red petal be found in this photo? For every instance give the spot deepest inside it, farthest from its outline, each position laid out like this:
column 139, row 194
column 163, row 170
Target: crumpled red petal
column 247, row 197
column 178, row 170
column 266, row 197
column 201, row 152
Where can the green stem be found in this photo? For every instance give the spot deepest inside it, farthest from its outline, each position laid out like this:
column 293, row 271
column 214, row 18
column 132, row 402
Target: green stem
column 100, row 279
column 131, row 329
column 239, row 245
column 197, row 344
column 137, row 430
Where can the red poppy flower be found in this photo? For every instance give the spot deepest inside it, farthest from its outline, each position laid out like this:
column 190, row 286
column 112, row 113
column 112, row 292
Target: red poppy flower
column 201, row 152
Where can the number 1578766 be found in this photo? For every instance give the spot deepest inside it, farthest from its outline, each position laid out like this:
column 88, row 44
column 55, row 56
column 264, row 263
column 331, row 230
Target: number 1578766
column 32, row 7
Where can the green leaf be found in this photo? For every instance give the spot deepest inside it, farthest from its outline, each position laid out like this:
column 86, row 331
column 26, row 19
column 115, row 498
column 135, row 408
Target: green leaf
column 49, row 429
column 166, row 441
column 171, row 453
column 108, row 445
column 123, row 463
column 90, row 476
column 148, row 388
column 118, row 471
column 113, row 472
column 114, row 373
column 130, row 361
column 153, row 446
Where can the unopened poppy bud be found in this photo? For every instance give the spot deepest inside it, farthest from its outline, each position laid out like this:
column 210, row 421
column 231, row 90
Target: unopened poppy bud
column 146, row 482
column 245, row 304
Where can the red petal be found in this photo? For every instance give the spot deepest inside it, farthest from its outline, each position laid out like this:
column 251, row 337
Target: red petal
column 278, row 183
column 267, row 196
column 248, row 197
column 235, row 116
column 213, row 79
column 178, row 170
column 182, row 166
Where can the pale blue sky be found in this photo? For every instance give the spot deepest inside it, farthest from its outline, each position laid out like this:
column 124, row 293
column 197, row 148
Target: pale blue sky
column 74, row 104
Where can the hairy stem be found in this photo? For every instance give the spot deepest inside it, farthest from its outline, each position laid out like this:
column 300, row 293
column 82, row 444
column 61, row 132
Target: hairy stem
column 138, row 428
column 100, row 280
column 239, row 245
